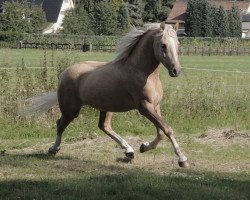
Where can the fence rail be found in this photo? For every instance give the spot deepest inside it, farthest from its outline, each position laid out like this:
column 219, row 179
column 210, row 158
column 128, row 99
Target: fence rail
column 214, row 51
column 204, row 51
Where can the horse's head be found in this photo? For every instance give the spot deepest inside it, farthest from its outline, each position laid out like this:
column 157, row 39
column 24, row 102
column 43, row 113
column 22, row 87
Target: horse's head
column 166, row 46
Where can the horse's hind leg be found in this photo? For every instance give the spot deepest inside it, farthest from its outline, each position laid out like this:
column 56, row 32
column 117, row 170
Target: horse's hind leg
column 105, row 125
column 146, row 146
column 69, row 112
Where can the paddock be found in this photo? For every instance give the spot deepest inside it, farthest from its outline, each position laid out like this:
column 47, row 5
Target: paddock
column 208, row 106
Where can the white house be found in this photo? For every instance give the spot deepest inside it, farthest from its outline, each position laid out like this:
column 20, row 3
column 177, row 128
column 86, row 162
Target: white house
column 55, row 12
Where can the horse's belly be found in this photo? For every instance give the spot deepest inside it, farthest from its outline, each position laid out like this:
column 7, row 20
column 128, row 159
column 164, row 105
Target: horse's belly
column 112, row 100
column 112, row 103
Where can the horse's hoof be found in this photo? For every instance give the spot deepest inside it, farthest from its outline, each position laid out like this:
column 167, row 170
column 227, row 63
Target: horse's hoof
column 142, row 148
column 130, row 155
column 183, row 164
column 53, row 151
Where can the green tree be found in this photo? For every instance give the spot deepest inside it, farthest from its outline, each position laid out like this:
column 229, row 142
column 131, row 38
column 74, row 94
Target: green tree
column 222, row 23
column 163, row 13
column 207, row 20
column 135, row 12
column 123, row 19
column 76, row 21
column 214, row 16
column 151, row 10
column 104, row 20
column 37, row 18
column 168, row 3
column 234, row 22
column 194, row 18
column 22, row 17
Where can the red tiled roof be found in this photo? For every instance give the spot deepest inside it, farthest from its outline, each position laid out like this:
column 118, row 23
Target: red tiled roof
column 178, row 12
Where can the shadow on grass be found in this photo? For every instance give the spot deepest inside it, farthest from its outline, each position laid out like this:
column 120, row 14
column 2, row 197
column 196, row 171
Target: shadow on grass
column 119, row 183
column 38, row 155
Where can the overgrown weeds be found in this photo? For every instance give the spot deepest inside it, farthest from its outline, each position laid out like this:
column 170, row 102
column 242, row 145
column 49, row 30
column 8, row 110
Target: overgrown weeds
column 196, row 101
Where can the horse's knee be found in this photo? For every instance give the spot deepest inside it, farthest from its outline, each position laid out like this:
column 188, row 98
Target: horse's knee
column 169, row 131
column 104, row 126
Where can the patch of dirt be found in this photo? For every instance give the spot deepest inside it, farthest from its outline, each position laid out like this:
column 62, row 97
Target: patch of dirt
column 226, row 136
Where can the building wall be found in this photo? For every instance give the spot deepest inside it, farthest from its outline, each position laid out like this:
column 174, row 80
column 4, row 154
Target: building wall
column 245, row 29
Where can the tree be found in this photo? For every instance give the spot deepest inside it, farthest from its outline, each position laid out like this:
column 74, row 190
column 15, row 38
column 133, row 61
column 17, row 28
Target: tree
column 123, row 19
column 22, row 17
column 135, row 12
column 151, row 10
column 207, row 20
column 157, row 10
column 194, row 18
column 76, row 21
column 222, row 23
column 235, row 22
column 168, row 3
column 37, row 19
column 104, row 20
column 163, row 13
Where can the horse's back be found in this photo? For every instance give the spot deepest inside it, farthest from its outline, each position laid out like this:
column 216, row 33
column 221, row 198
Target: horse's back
column 69, row 81
column 80, row 69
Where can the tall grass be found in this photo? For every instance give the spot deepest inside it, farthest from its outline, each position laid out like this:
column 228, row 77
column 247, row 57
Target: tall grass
column 86, row 169
column 194, row 102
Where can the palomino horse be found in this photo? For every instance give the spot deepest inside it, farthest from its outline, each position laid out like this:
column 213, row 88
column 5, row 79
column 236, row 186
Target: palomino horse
column 130, row 81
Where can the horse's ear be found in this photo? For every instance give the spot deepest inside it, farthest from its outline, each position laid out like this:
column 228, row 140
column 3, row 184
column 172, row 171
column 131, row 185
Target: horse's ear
column 162, row 26
column 176, row 26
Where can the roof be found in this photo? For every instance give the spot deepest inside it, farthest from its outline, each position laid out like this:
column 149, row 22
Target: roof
column 178, row 12
column 51, row 8
column 246, row 18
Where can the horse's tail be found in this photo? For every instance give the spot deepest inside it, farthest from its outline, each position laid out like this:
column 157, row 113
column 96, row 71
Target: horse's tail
column 39, row 104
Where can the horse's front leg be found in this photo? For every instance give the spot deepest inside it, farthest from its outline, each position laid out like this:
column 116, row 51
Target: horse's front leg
column 146, row 146
column 147, row 109
column 105, row 125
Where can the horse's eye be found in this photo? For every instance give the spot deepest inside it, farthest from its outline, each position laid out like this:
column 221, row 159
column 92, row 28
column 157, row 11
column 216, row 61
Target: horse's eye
column 163, row 46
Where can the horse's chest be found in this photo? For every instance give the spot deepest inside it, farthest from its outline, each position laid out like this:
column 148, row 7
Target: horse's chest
column 152, row 91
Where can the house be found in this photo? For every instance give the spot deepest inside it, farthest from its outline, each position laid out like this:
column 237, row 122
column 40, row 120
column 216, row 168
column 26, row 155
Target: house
column 54, row 11
column 178, row 13
column 246, row 26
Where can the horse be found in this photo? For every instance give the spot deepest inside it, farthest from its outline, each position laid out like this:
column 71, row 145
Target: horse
column 131, row 81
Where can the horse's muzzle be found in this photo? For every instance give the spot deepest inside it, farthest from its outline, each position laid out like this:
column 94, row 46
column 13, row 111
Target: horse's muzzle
column 174, row 72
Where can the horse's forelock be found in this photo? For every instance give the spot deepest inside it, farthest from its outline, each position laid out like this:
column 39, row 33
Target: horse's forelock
column 169, row 31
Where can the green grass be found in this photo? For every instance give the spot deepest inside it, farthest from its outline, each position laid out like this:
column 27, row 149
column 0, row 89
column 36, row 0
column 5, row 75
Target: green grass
column 89, row 165
column 193, row 102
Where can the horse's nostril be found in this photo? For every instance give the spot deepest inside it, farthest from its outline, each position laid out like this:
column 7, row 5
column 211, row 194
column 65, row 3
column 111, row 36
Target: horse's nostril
column 174, row 71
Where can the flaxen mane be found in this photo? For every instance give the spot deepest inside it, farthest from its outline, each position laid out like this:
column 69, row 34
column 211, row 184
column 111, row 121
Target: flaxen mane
column 127, row 44
column 129, row 41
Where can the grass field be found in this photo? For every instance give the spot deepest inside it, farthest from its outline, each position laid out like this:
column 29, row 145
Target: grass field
column 209, row 110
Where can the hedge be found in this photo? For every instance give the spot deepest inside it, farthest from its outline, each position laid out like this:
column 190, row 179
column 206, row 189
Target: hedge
column 14, row 38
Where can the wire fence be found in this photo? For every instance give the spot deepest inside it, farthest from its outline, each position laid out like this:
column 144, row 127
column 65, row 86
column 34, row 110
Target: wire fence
column 186, row 50
column 185, row 68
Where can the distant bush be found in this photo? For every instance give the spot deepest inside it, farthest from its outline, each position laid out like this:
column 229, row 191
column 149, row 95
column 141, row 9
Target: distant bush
column 13, row 39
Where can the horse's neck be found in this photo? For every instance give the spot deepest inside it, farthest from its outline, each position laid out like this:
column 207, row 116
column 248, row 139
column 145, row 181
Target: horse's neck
column 142, row 57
